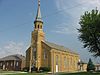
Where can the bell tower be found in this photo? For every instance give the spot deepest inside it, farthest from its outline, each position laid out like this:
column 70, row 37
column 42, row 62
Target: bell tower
column 36, row 39
column 38, row 23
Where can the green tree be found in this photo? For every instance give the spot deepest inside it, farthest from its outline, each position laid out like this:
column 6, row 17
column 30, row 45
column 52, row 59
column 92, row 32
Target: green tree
column 90, row 66
column 90, row 31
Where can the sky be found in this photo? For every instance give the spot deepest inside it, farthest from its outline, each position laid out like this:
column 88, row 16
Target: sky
column 61, row 21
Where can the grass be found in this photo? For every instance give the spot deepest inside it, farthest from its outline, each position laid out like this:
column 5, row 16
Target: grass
column 19, row 73
column 79, row 73
column 27, row 74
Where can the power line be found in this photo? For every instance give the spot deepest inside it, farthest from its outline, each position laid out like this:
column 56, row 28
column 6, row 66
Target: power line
column 64, row 9
column 52, row 14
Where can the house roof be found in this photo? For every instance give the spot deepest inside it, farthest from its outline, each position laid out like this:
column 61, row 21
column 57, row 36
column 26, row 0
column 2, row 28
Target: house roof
column 13, row 57
column 59, row 47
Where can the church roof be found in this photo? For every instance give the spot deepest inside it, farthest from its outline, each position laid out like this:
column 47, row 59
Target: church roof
column 13, row 57
column 59, row 47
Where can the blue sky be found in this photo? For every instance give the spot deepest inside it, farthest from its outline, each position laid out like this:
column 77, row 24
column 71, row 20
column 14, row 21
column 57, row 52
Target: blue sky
column 60, row 18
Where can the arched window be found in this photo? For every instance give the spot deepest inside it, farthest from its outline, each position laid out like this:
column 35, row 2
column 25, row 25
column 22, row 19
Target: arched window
column 34, row 53
column 11, row 63
column 65, row 62
column 7, row 63
column 45, row 54
column 56, row 59
column 71, row 61
column 38, row 26
column 1, row 64
column 17, row 63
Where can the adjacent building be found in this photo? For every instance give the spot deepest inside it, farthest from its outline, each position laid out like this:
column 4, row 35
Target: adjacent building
column 42, row 53
column 12, row 62
column 82, row 66
column 97, row 67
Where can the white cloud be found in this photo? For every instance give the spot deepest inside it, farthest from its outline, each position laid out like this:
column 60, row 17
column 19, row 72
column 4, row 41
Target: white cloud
column 65, row 29
column 12, row 48
column 90, row 2
column 67, row 8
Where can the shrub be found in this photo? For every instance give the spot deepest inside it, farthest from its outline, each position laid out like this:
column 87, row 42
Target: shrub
column 44, row 69
column 26, row 69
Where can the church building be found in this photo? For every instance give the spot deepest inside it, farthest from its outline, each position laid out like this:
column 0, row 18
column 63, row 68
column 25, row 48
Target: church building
column 42, row 53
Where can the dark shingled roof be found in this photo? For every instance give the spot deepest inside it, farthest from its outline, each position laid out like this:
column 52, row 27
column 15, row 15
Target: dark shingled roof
column 59, row 47
column 13, row 57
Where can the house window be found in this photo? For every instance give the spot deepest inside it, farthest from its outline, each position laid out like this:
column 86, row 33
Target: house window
column 56, row 59
column 17, row 63
column 7, row 63
column 1, row 64
column 11, row 63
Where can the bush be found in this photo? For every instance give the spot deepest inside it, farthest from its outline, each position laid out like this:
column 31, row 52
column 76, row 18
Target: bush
column 44, row 69
column 26, row 69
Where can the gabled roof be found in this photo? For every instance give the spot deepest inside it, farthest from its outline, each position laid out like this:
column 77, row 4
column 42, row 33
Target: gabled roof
column 13, row 57
column 59, row 47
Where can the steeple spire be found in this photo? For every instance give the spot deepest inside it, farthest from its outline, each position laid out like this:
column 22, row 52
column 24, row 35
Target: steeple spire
column 38, row 16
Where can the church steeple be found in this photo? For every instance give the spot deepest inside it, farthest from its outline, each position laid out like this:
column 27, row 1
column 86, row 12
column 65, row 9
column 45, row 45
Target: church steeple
column 38, row 16
column 37, row 37
column 38, row 23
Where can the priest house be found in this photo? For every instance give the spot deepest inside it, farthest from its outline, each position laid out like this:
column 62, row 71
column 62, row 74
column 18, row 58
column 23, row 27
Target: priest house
column 42, row 53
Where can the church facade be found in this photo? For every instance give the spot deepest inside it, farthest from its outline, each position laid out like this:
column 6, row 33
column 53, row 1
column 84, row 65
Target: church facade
column 42, row 53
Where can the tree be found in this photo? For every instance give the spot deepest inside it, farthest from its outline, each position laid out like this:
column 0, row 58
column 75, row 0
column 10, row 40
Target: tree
column 90, row 31
column 90, row 66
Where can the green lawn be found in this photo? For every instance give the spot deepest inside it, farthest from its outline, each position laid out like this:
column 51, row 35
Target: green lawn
column 81, row 73
column 27, row 74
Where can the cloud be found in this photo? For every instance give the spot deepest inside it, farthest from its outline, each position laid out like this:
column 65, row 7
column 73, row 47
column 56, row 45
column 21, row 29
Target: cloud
column 12, row 48
column 65, row 29
column 74, row 4
column 74, row 8
column 94, row 3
